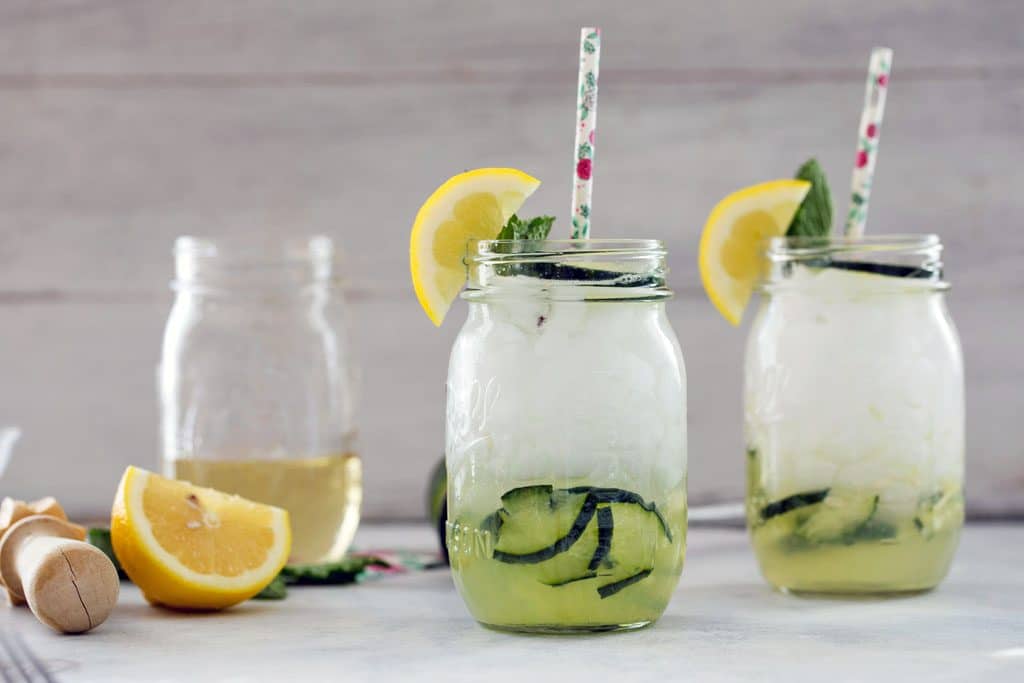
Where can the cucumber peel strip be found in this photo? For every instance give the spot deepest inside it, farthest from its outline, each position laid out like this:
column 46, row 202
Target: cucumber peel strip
column 605, row 528
column 610, row 589
column 561, row 545
column 793, row 502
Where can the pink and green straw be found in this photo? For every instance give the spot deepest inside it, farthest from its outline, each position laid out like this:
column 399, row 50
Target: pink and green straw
column 586, row 125
column 879, row 68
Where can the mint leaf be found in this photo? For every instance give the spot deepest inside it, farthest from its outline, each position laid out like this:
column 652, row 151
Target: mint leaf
column 814, row 217
column 533, row 229
column 275, row 590
column 100, row 538
column 344, row 571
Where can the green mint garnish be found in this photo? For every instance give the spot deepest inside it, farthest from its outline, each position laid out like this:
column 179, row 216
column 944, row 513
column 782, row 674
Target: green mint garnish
column 814, row 217
column 532, row 229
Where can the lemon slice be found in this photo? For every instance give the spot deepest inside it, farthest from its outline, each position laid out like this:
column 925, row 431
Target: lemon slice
column 730, row 246
column 195, row 548
column 472, row 205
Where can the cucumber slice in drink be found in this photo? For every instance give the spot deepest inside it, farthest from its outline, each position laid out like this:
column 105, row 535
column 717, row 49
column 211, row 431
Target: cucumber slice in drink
column 939, row 511
column 538, row 522
column 793, row 502
column 840, row 514
column 565, row 536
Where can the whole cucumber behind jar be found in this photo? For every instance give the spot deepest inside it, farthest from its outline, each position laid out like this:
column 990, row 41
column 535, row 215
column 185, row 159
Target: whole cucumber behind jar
column 437, row 504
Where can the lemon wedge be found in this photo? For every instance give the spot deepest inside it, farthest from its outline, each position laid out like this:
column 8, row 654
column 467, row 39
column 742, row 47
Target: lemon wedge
column 195, row 548
column 731, row 260
column 472, row 205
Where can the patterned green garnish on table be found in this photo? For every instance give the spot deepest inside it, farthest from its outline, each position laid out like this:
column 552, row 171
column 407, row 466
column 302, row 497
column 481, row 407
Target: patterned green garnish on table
column 347, row 570
column 354, row 568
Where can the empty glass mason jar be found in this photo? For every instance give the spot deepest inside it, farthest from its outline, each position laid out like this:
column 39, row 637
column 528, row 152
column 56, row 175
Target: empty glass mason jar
column 566, row 437
column 854, row 404
column 256, row 384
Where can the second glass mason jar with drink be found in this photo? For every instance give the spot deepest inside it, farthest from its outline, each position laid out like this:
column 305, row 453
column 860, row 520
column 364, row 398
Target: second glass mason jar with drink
column 854, row 417
column 256, row 384
column 566, row 437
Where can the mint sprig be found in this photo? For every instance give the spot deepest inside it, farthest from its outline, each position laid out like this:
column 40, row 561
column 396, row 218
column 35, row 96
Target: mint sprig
column 532, row 229
column 814, row 217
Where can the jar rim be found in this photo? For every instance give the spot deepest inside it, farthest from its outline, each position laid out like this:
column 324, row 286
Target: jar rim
column 590, row 270
column 804, row 246
column 488, row 251
column 258, row 249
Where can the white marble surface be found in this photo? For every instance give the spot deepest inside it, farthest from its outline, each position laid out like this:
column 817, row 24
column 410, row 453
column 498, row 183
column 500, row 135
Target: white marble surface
column 724, row 624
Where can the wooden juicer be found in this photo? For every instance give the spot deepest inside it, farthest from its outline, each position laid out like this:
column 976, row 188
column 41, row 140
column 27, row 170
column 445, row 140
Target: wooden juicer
column 45, row 562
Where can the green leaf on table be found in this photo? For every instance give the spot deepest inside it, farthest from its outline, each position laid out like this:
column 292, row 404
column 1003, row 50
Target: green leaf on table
column 814, row 217
column 100, row 538
column 345, row 570
column 275, row 590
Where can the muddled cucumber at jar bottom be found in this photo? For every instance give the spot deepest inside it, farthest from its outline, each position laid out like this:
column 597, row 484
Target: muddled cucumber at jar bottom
column 845, row 538
column 577, row 554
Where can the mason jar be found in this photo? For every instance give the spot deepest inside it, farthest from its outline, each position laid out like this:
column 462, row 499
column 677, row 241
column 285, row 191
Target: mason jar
column 854, row 417
column 566, row 437
column 256, row 384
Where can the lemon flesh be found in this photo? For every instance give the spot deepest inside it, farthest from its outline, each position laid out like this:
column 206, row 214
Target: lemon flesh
column 190, row 547
column 731, row 246
column 474, row 205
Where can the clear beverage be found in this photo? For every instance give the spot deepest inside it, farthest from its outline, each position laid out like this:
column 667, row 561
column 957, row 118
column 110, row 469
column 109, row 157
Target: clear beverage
column 566, row 439
column 322, row 495
column 855, row 419
column 257, row 390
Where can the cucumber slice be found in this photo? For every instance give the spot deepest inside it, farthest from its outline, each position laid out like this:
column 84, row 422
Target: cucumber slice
column 939, row 511
column 538, row 523
column 610, row 495
column 564, row 536
column 793, row 502
column 841, row 513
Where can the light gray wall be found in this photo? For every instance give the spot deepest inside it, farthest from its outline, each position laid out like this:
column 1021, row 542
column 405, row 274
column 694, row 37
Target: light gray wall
column 125, row 123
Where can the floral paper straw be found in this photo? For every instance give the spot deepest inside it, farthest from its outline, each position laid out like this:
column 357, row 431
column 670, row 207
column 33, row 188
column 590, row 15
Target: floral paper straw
column 586, row 124
column 867, row 139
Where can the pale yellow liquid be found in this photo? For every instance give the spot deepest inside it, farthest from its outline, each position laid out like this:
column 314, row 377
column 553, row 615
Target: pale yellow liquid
column 322, row 495
column 509, row 596
column 912, row 557
column 906, row 562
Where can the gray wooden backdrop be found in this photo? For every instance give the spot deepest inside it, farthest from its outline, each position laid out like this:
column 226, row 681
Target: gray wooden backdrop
column 124, row 123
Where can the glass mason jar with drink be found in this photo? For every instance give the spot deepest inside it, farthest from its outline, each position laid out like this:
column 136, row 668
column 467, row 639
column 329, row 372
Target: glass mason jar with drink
column 854, row 421
column 566, row 437
column 256, row 384
column 566, row 410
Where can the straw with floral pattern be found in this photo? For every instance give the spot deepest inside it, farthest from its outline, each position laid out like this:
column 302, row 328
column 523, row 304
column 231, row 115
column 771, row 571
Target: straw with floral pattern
column 586, row 125
column 868, row 134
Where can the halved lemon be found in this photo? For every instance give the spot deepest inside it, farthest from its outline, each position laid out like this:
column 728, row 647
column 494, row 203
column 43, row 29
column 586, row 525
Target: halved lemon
column 472, row 205
column 195, row 548
column 730, row 258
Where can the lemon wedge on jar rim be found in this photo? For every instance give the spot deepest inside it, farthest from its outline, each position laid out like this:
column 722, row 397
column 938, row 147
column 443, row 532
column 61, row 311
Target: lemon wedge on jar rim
column 731, row 259
column 190, row 547
column 472, row 205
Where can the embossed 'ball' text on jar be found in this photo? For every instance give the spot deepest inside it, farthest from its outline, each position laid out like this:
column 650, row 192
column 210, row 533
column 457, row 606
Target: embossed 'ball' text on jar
column 854, row 417
column 566, row 437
